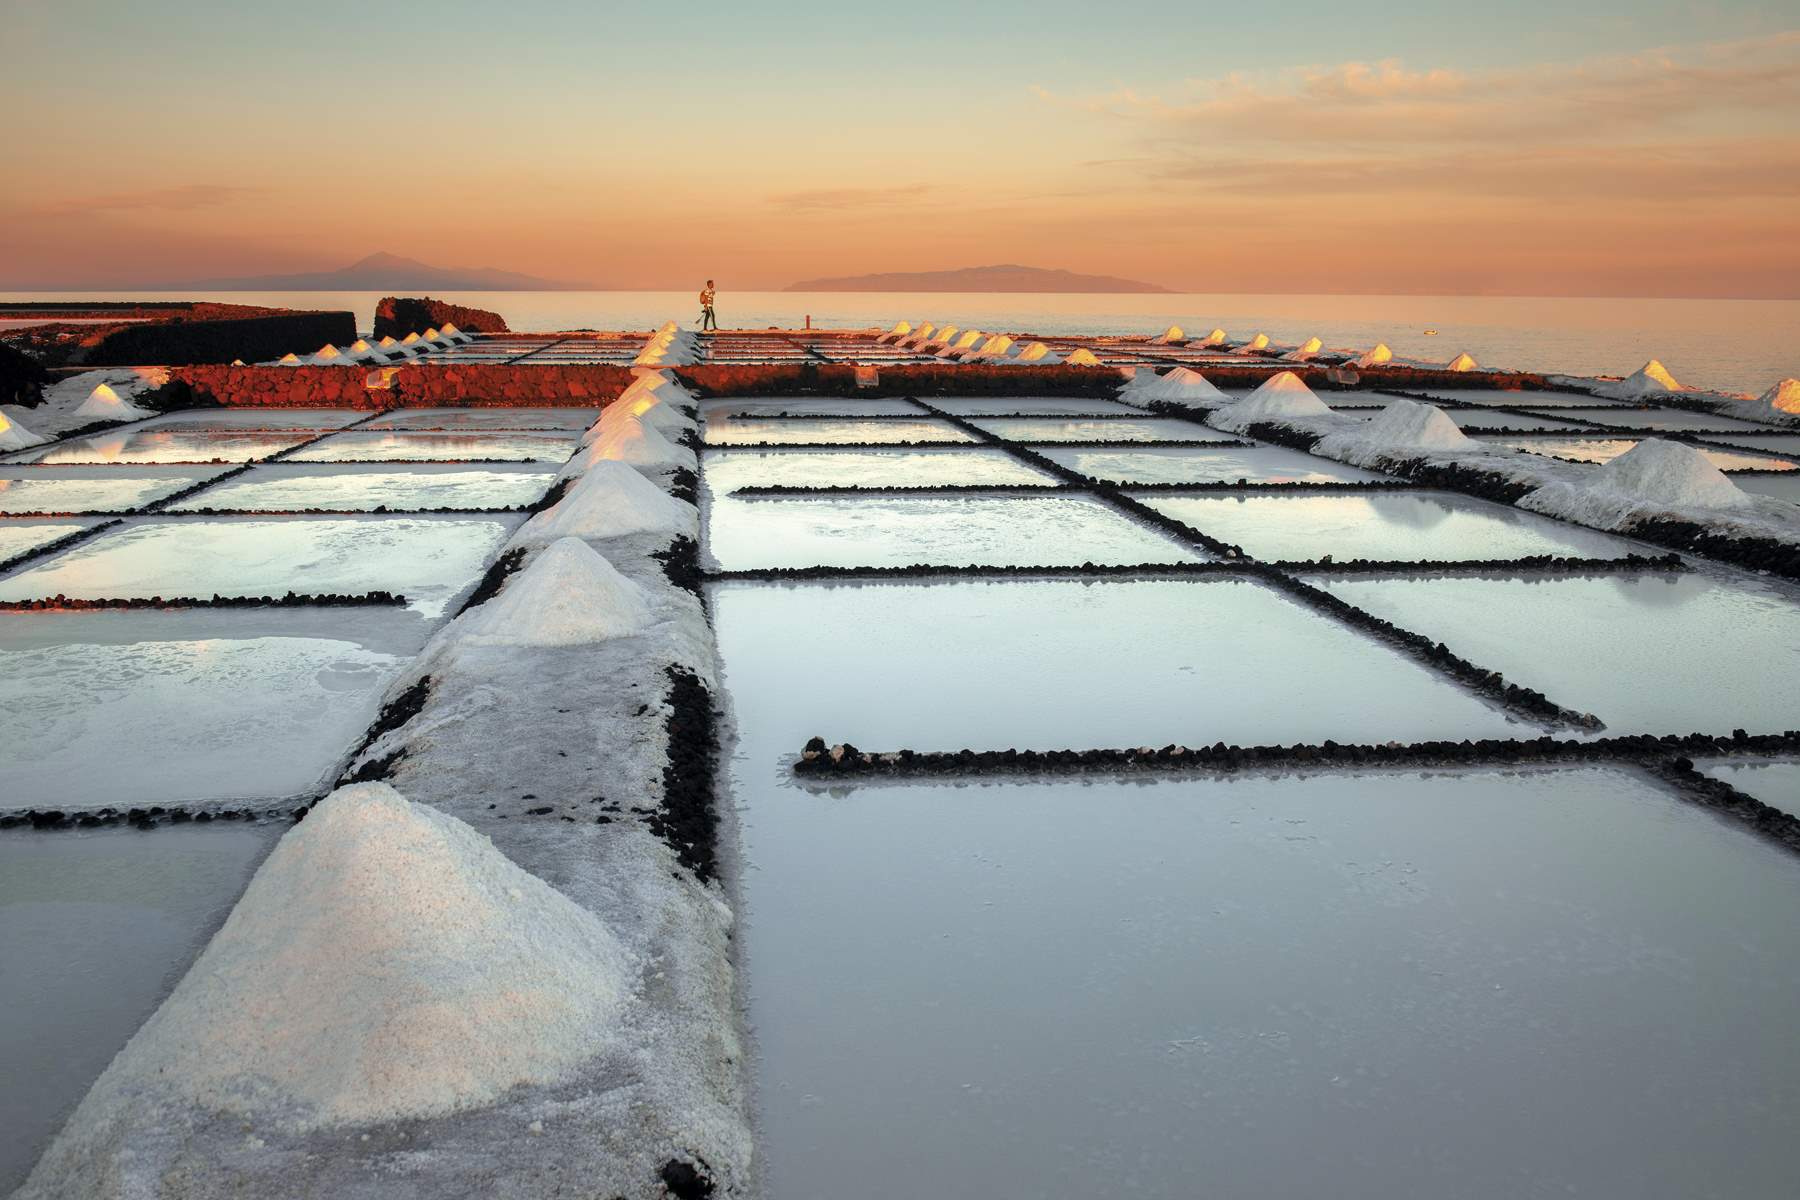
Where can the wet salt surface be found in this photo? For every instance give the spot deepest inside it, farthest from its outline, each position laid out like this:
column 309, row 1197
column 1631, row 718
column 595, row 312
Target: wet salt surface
column 1050, row 406
column 828, row 405
column 1414, row 525
column 430, row 560
column 90, row 489
column 135, row 445
column 1474, row 418
column 1491, row 397
column 256, row 418
column 1780, row 443
column 1657, row 654
column 887, row 531
column 576, row 419
column 1350, row 986
column 1054, row 664
column 356, row 446
column 18, row 536
column 725, row 472
column 1195, row 464
column 1150, row 429
column 1785, row 486
column 1603, row 450
column 286, row 486
column 146, row 707
column 96, row 927
column 1776, row 784
column 1667, row 418
column 729, row 431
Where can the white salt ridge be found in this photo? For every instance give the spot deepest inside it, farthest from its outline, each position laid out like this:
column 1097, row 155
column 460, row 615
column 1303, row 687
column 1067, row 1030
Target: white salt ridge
column 900, row 330
column 14, row 436
column 454, row 334
column 1462, row 362
column 1037, row 354
column 290, row 359
column 653, row 401
column 1259, row 342
column 1169, row 336
column 1651, row 379
column 1304, row 350
column 1281, row 398
column 1374, row 356
column 1402, row 430
column 105, row 404
column 1653, row 478
column 385, row 963
column 610, row 499
column 1779, row 405
column 567, row 595
column 1082, row 357
column 631, row 440
column 1182, row 385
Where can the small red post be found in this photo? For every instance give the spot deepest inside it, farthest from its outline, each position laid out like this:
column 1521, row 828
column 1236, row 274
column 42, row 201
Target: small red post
column 809, row 320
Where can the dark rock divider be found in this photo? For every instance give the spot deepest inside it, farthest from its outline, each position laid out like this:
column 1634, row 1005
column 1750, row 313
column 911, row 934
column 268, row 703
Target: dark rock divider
column 397, row 316
column 688, row 819
column 62, row 603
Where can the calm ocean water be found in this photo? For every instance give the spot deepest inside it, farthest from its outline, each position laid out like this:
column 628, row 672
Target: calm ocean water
column 1737, row 345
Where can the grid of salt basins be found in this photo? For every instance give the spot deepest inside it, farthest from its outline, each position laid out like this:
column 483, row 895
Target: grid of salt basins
column 1130, row 808
column 201, row 613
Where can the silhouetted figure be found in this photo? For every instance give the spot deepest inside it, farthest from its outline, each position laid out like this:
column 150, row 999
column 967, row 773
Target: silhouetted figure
column 707, row 319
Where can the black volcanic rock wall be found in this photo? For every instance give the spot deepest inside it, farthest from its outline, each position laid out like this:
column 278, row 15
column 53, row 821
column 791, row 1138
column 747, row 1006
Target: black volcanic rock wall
column 193, row 343
column 397, row 316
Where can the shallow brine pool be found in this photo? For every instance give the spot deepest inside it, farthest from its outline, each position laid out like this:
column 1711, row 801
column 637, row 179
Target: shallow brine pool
column 279, row 487
column 944, row 531
column 1603, row 450
column 356, row 446
column 1413, row 526
column 175, row 445
column 257, row 418
column 149, row 707
column 810, row 405
column 1198, row 464
column 1147, row 429
column 726, row 471
column 1667, row 418
column 1698, row 653
column 1477, row 418
column 1776, row 784
column 740, row 431
column 430, row 560
column 90, row 489
column 96, row 927
column 1049, row 406
column 576, row 419
column 1493, row 398
column 1055, row 664
column 18, row 535
column 1349, row 986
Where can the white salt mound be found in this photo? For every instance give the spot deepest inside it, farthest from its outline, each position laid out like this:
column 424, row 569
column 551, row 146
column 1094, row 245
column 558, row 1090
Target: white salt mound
column 289, row 359
column 1038, row 354
column 1653, row 478
column 1782, row 400
column 1281, row 398
column 385, row 963
column 1217, row 337
column 104, row 404
column 1375, row 357
column 1169, row 336
column 1259, row 342
column 1304, row 350
column 610, row 499
column 1403, row 426
column 14, row 436
column 1183, row 384
column 1651, row 379
column 629, row 440
column 646, row 406
column 1462, row 362
column 568, row 595
column 1082, row 357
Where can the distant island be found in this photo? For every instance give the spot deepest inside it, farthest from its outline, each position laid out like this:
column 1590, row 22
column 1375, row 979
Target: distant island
column 383, row 272
column 1005, row 278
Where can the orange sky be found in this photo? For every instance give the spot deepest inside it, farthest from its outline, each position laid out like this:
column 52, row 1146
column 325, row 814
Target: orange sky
column 637, row 149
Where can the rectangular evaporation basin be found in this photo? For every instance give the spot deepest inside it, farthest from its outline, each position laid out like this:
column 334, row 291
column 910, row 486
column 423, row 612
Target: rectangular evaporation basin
column 1148, row 429
column 363, row 487
column 1048, row 406
column 430, row 560
column 1668, row 418
column 888, row 531
column 1482, row 418
column 155, row 707
column 736, row 431
column 18, row 536
column 1493, row 398
column 726, row 472
column 1413, row 526
column 1780, row 443
column 1361, row 986
column 453, row 419
column 90, row 489
column 256, row 418
column 1053, row 664
column 1194, row 464
column 1656, row 654
column 95, row 928
column 832, row 406
column 132, row 445
column 1785, row 486
column 1776, row 784
column 356, row 446
column 1603, row 450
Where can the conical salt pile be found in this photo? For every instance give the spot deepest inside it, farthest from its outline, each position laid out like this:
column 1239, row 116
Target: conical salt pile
column 1411, row 425
column 1038, row 355
column 1375, row 357
column 1782, row 400
column 1169, row 336
column 104, row 404
column 568, row 595
column 900, row 330
column 1462, row 362
column 289, row 359
column 611, row 499
column 629, row 440
column 1651, row 379
column 386, row 963
column 1082, row 357
column 648, row 405
column 14, row 436
column 1182, row 385
column 1304, row 350
column 1259, row 342
column 1653, row 478
column 360, row 348
column 1281, row 398
column 330, row 356
column 1217, row 337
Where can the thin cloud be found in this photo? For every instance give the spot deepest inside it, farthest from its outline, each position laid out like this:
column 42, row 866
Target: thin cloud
column 185, row 198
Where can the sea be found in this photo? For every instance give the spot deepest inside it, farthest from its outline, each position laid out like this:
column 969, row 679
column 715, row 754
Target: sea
column 1726, row 345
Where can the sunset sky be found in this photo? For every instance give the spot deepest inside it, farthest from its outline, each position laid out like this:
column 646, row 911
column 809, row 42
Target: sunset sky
column 1609, row 148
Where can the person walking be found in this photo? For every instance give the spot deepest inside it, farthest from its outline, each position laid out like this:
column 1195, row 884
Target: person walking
column 707, row 319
